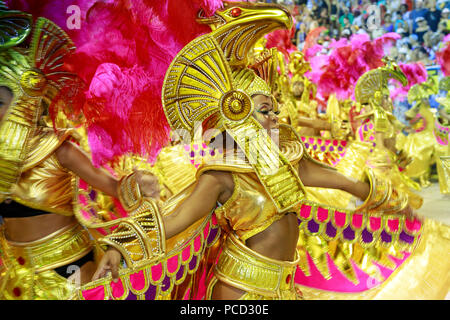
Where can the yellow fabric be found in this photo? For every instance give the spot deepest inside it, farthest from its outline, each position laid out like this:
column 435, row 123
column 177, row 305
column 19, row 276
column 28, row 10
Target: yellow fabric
column 249, row 271
column 28, row 267
column 425, row 275
column 351, row 165
column 249, row 210
column 44, row 184
column 420, row 147
column 383, row 163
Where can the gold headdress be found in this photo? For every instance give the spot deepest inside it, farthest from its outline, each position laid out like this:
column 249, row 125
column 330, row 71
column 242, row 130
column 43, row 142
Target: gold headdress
column 265, row 66
column 373, row 85
column 15, row 26
column 239, row 25
column 34, row 76
column 201, row 85
column 298, row 66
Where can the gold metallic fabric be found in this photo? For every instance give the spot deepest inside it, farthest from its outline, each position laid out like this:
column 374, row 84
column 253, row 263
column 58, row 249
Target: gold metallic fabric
column 423, row 276
column 140, row 238
column 174, row 169
column 249, row 210
column 45, row 184
column 34, row 76
column 129, row 192
column 247, row 270
column 443, row 168
column 383, row 197
column 28, row 272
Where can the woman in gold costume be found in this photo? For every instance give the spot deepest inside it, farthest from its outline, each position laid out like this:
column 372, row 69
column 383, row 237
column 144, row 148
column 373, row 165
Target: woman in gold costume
column 380, row 127
column 259, row 183
column 42, row 243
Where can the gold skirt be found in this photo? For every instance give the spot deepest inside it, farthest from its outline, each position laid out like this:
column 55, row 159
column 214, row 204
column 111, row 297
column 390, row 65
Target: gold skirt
column 260, row 277
column 26, row 268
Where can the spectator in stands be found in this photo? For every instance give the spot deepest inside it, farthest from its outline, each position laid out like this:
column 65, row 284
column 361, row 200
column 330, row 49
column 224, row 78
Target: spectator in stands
column 405, row 12
column 414, row 41
column 346, row 14
column 401, row 27
column 403, row 54
column 444, row 24
column 433, row 15
column 419, row 12
column 422, row 28
column 400, row 23
column 358, row 19
column 334, row 28
column 421, row 55
column 387, row 23
column 324, row 17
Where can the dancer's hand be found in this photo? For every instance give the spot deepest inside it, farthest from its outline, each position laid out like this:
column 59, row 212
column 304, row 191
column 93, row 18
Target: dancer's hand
column 109, row 263
column 148, row 183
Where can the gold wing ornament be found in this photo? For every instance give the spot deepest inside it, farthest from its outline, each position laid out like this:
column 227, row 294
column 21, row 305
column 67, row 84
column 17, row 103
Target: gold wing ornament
column 374, row 83
column 240, row 25
column 372, row 86
column 35, row 77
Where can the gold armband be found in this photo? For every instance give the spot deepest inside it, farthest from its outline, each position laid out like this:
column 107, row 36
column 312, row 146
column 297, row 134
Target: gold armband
column 383, row 198
column 140, row 238
column 129, row 192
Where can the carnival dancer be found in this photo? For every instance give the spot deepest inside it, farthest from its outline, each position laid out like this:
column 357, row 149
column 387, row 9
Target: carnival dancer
column 259, row 183
column 42, row 243
column 378, row 126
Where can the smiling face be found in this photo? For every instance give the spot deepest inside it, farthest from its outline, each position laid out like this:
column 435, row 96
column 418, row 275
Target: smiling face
column 265, row 113
column 6, row 98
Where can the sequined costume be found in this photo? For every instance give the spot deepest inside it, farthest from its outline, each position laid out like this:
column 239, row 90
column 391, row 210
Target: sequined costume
column 31, row 176
column 429, row 140
column 340, row 251
column 379, row 127
column 33, row 182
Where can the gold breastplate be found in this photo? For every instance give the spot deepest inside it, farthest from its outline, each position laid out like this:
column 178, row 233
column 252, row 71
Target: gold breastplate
column 250, row 209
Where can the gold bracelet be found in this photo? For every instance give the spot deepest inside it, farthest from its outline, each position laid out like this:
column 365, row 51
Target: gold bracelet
column 129, row 192
column 383, row 198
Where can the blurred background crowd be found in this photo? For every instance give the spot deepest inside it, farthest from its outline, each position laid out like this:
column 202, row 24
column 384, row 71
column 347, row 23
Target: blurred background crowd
column 423, row 24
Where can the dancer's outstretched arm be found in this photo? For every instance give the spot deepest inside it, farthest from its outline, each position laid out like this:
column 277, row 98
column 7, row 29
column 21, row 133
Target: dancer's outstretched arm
column 76, row 160
column 314, row 175
column 211, row 188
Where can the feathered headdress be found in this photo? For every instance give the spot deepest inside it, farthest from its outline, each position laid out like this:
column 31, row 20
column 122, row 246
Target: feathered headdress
column 348, row 60
column 123, row 51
